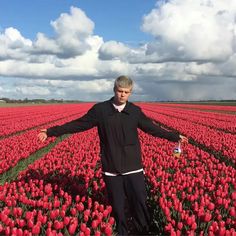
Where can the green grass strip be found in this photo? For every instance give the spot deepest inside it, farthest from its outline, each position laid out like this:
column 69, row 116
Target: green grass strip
column 12, row 173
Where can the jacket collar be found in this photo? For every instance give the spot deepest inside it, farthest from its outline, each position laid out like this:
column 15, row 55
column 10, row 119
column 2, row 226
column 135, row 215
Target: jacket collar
column 125, row 110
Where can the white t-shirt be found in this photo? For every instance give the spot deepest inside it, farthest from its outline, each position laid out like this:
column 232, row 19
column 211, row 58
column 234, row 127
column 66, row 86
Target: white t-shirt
column 119, row 107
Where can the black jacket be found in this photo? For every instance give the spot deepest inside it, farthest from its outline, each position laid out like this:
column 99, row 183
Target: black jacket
column 118, row 132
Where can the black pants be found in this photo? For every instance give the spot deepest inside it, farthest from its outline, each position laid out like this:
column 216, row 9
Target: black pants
column 132, row 188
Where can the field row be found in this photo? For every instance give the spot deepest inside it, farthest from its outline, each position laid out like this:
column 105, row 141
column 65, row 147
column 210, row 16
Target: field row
column 16, row 119
column 221, row 122
column 206, row 107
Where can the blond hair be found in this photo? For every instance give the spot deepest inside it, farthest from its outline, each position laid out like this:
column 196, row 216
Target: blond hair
column 123, row 82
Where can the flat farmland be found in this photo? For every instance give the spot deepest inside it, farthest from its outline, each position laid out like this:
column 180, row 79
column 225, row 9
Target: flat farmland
column 56, row 187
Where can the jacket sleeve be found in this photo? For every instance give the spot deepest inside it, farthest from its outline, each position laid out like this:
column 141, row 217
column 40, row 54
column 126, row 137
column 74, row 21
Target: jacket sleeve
column 88, row 121
column 149, row 126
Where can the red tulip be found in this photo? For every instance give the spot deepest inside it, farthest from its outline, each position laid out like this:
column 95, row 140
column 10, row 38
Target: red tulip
column 58, row 225
column 207, row 217
column 77, row 198
column 36, row 229
column 232, row 212
column 7, row 230
column 87, row 231
column 211, row 206
column 1, row 228
column 233, row 195
column 108, row 230
column 73, row 211
column 111, row 220
column 83, row 227
column 19, row 232
column 180, row 225
column 221, row 231
column 80, row 206
column 97, row 233
column 66, row 220
column 72, row 229
column 30, row 223
column 21, row 223
column 94, row 224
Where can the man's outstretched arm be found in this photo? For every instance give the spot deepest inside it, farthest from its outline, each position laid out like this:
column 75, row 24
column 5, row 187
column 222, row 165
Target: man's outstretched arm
column 151, row 127
column 88, row 121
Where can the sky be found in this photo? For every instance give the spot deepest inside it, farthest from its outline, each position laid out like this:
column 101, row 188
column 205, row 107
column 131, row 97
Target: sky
column 174, row 50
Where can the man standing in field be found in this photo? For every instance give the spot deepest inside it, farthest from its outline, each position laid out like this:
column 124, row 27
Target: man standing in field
column 118, row 121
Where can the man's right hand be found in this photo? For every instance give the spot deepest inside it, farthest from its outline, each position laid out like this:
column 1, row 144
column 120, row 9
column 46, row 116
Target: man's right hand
column 42, row 136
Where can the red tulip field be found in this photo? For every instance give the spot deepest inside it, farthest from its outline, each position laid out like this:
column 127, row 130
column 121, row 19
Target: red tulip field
column 56, row 187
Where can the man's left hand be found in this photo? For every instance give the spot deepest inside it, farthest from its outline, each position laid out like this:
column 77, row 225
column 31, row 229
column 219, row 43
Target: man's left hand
column 183, row 139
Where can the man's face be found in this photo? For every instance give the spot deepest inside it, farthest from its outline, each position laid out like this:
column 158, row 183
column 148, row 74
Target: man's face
column 122, row 94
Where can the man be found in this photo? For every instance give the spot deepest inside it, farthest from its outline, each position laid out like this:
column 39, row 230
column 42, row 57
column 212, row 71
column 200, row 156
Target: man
column 118, row 121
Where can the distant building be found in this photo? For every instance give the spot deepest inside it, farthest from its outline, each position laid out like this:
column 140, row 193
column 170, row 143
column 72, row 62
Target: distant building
column 2, row 101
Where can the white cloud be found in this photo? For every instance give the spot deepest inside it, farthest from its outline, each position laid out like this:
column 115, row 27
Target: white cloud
column 77, row 24
column 192, row 30
column 113, row 50
column 13, row 39
column 82, row 90
column 13, row 44
column 71, row 33
column 33, row 90
column 44, row 45
column 72, row 30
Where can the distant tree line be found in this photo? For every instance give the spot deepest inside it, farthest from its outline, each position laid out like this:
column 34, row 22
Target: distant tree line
column 38, row 100
column 201, row 101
